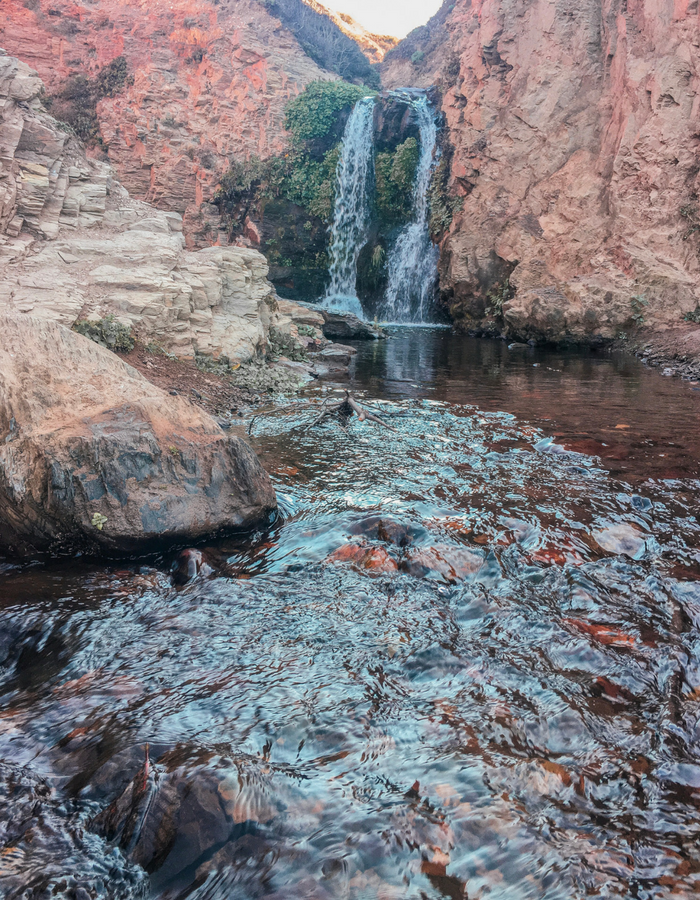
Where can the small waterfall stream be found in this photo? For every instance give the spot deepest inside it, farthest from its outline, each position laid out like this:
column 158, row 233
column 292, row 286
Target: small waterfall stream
column 414, row 257
column 412, row 264
column 351, row 213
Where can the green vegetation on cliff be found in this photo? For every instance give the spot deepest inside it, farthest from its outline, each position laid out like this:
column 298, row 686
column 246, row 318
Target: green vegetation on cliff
column 395, row 173
column 76, row 101
column 306, row 174
column 315, row 113
column 292, row 196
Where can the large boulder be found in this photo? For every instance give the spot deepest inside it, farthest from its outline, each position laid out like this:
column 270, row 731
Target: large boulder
column 347, row 327
column 92, row 454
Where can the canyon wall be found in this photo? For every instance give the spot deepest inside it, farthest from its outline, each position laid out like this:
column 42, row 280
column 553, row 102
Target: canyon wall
column 573, row 136
column 74, row 245
column 208, row 80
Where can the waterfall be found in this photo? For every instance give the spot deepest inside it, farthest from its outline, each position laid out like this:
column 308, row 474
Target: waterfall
column 351, row 213
column 412, row 268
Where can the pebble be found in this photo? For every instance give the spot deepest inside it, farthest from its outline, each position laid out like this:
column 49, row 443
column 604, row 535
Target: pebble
column 622, row 540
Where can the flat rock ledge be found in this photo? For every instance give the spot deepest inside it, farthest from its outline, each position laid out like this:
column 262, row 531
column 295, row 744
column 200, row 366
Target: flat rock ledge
column 93, row 455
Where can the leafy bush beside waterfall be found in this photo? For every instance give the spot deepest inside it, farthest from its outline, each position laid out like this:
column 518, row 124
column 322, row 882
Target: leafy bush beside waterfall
column 394, row 175
column 290, row 198
column 316, row 113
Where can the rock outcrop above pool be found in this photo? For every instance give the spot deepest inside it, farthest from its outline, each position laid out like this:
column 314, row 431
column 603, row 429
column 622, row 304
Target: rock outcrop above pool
column 203, row 81
column 93, row 455
column 75, row 245
column 574, row 131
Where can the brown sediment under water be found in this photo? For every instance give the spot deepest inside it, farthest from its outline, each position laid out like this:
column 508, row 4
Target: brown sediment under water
column 464, row 662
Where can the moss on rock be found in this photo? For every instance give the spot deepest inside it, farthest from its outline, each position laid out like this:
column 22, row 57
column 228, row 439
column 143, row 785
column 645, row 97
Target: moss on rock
column 395, row 173
column 107, row 332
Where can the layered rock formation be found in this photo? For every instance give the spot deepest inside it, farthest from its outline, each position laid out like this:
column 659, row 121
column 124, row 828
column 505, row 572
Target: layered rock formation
column 44, row 176
column 93, row 454
column 210, row 81
column 111, row 255
column 575, row 129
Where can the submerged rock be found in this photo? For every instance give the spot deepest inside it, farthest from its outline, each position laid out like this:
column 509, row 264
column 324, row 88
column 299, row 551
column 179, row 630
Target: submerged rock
column 621, row 539
column 92, row 453
column 175, row 815
column 46, row 853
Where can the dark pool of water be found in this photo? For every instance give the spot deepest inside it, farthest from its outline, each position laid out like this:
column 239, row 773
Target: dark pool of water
column 641, row 423
column 466, row 662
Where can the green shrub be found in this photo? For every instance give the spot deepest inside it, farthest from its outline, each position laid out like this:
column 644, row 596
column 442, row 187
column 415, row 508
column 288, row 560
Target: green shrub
column 417, row 57
column 76, row 102
column 638, row 304
column 497, row 296
column 395, row 173
column 693, row 316
column 297, row 177
column 107, row 332
column 311, row 184
column 691, row 214
column 112, row 79
column 314, row 112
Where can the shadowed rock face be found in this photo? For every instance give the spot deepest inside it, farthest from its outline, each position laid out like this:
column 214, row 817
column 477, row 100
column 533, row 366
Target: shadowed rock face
column 575, row 136
column 93, row 454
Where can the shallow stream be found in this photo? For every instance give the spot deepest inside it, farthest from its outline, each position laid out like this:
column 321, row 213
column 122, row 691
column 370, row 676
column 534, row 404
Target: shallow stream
column 464, row 663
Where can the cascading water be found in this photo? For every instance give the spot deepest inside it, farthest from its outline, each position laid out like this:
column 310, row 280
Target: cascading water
column 351, row 213
column 412, row 268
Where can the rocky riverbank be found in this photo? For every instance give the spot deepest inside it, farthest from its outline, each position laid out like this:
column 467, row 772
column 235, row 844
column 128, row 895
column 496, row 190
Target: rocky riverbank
column 99, row 452
column 674, row 352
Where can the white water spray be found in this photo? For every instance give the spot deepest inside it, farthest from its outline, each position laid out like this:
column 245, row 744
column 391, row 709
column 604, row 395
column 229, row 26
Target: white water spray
column 351, row 213
column 413, row 259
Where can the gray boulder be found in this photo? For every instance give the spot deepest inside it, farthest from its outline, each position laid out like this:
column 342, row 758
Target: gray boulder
column 346, row 327
column 92, row 454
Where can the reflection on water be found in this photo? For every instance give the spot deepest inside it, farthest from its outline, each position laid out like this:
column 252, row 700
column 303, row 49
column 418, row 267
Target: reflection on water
column 639, row 422
column 465, row 664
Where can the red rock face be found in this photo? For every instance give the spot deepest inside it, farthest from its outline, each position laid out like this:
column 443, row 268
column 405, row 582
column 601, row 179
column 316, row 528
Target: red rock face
column 211, row 80
column 576, row 132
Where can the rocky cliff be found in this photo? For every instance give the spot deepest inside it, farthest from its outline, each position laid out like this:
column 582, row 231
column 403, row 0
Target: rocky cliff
column 93, row 454
column 206, row 80
column 109, row 254
column 574, row 135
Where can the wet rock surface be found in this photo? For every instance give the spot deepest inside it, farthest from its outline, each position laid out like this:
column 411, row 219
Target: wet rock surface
column 93, row 453
column 346, row 327
column 47, row 850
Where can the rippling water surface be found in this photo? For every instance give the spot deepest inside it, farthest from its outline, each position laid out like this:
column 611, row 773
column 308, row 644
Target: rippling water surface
column 465, row 663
